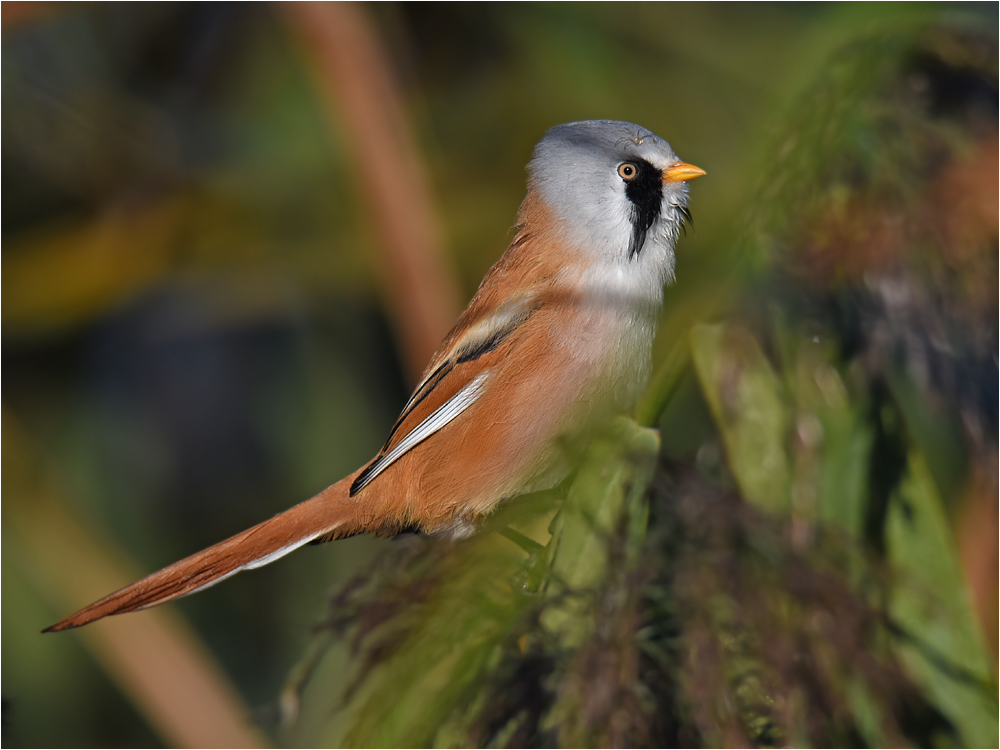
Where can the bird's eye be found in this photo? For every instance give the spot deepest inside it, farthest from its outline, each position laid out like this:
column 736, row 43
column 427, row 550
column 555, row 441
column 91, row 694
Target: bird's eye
column 627, row 171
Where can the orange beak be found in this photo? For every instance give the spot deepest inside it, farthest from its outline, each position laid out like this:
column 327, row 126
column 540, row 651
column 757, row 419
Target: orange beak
column 681, row 171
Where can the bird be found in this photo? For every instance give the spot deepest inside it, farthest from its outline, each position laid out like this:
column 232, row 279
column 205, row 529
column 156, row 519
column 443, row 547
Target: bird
column 556, row 341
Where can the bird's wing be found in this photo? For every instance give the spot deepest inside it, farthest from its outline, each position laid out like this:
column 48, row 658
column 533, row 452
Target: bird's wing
column 456, row 378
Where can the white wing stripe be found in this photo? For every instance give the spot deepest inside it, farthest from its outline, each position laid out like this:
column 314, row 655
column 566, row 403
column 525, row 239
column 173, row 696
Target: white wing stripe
column 438, row 419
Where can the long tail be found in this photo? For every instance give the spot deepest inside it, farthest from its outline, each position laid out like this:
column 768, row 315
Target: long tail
column 327, row 516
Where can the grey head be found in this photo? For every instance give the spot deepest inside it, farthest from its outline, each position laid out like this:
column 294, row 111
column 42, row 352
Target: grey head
column 613, row 190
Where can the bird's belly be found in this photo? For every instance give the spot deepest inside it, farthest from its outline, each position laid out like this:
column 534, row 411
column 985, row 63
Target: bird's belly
column 532, row 424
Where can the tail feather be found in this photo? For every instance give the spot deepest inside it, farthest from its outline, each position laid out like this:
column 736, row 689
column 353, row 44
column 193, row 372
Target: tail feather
column 325, row 515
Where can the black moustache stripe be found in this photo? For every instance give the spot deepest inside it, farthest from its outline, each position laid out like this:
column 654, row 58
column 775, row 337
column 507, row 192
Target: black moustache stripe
column 645, row 191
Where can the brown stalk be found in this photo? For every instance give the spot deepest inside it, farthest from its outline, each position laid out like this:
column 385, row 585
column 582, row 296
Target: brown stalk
column 353, row 76
column 156, row 660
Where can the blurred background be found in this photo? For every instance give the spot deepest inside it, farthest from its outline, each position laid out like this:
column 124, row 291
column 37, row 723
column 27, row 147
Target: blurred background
column 233, row 233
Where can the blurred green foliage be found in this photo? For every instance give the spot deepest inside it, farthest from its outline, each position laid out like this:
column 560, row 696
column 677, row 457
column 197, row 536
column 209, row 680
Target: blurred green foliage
column 193, row 340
